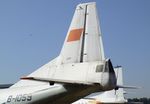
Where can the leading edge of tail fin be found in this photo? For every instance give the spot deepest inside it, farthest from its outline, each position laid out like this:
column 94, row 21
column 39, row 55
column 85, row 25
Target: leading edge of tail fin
column 83, row 42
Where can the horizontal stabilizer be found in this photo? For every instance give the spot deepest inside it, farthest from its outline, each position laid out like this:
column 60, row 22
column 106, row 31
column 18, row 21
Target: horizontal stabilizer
column 56, row 80
column 128, row 87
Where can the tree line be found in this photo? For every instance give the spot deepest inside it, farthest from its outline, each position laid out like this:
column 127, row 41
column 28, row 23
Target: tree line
column 144, row 100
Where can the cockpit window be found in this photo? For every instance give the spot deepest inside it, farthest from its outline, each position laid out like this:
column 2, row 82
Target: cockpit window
column 99, row 68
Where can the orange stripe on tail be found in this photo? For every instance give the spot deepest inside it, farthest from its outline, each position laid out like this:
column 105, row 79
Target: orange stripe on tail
column 74, row 35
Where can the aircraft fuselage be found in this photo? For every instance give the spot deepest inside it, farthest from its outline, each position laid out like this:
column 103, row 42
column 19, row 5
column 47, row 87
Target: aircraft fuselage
column 30, row 95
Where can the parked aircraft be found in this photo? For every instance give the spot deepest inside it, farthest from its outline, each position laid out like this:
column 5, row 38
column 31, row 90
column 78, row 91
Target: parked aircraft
column 79, row 70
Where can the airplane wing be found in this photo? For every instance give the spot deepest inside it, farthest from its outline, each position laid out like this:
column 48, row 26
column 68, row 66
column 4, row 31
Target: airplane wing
column 2, row 86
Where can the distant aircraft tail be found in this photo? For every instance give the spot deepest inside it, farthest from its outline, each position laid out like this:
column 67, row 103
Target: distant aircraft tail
column 119, row 75
column 83, row 42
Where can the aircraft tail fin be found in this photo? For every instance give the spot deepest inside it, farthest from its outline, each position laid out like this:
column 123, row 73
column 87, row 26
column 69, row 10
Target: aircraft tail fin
column 119, row 75
column 120, row 86
column 83, row 42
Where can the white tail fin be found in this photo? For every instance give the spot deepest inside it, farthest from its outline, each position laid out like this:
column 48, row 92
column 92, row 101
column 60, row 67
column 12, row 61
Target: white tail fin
column 82, row 49
column 83, row 42
column 119, row 75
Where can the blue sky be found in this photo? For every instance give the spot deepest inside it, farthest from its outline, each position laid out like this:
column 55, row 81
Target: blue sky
column 32, row 33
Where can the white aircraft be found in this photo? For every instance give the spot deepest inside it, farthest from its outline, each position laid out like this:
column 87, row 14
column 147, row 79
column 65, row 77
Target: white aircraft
column 107, row 97
column 79, row 70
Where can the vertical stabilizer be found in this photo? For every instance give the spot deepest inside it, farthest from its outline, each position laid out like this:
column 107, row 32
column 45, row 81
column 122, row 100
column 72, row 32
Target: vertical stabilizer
column 83, row 42
column 93, row 38
column 119, row 76
column 70, row 52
